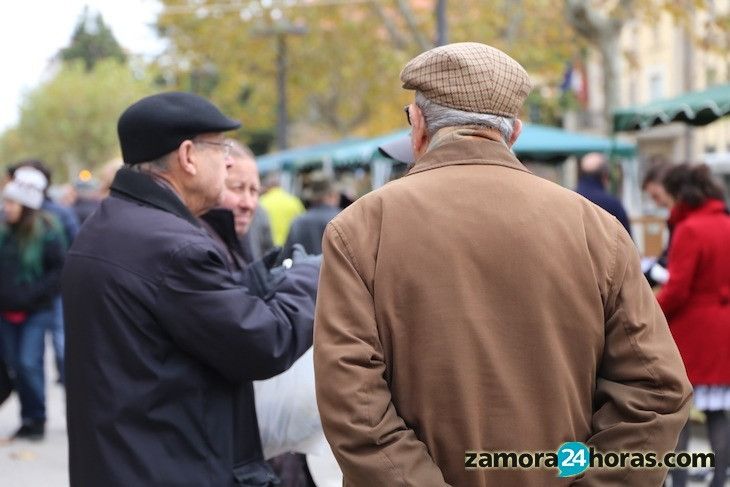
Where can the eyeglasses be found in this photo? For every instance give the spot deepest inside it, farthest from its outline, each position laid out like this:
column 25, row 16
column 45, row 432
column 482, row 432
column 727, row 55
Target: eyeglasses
column 407, row 110
column 227, row 148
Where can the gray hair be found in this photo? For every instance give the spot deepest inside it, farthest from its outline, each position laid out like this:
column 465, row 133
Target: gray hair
column 438, row 117
column 239, row 150
column 156, row 166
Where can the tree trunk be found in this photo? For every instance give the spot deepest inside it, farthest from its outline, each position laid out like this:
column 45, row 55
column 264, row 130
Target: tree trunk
column 442, row 25
column 514, row 13
column 603, row 30
column 608, row 46
column 399, row 42
column 411, row 22
column 282, row 112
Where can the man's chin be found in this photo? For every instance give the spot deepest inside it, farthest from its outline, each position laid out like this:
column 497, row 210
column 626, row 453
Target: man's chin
column 242, row 227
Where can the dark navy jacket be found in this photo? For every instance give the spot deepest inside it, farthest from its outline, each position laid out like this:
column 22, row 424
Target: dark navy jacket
column 592, row 190
column 162, row 344
column 65, row 216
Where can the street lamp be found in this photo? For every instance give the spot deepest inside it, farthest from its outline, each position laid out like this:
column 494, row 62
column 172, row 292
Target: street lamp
column 280, row 30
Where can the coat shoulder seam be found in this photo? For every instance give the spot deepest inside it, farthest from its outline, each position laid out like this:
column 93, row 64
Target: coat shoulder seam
column 340, row 234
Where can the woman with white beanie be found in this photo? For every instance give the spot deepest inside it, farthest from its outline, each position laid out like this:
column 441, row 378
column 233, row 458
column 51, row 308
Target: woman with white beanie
column 31, row 258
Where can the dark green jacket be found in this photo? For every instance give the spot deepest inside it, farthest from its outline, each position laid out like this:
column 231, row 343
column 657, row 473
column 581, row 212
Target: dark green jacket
column 31, row 275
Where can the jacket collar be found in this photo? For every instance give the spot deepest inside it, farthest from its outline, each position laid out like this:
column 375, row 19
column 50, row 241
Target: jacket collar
column 221, row 221
column 472, row 150
column 589, row 183
column 681, row 211
column 139, row 187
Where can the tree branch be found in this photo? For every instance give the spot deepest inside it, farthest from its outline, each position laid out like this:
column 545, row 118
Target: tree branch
column 399, row 41
column 586, row 20
column 515, row 15
column 410, row 19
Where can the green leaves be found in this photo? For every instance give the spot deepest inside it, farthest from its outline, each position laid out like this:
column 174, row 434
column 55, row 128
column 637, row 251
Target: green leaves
column 92, row 41
column 70, row 120
column 343, row 72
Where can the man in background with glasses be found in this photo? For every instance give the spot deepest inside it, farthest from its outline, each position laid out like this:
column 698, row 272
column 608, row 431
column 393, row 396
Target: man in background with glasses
column 162, row 341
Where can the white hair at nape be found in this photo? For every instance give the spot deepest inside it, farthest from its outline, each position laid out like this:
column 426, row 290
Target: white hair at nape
column 156, row 166
column 438, row 117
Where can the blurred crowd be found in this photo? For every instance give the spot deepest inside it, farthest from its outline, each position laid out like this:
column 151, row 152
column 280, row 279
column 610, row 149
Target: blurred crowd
column 190, row 275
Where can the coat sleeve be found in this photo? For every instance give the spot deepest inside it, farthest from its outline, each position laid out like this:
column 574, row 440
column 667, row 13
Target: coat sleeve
column 371, row 442
column 642, row 396
column 217, row 320
column 683, row 258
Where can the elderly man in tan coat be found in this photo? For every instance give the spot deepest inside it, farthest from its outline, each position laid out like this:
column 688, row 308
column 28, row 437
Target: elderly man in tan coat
column 473, row 306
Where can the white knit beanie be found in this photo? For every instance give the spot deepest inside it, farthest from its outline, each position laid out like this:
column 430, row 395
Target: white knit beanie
column 26, row 187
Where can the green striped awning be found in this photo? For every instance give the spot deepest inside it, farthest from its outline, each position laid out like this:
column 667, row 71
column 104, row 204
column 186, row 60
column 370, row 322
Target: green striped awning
column 694, row 108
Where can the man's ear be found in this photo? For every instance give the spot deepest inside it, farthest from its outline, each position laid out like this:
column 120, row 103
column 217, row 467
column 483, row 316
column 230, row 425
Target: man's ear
column 516, row 131
column 187, row 158
column 419, row 134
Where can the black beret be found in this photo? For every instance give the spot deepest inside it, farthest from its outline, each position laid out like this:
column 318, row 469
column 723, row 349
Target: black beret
column 158, row 124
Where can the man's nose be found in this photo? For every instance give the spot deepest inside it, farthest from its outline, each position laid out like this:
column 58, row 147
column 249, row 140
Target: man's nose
column 247, row 202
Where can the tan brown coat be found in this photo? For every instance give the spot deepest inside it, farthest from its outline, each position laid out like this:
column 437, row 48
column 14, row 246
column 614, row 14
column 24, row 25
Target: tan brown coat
column 474, row 306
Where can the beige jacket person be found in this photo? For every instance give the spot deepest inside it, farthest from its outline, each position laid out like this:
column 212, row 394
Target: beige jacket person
column 474, row 306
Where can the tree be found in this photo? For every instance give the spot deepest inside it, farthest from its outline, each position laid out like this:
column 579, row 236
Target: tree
column 344, row 71
column 70, row 120
column 601, row 24
column 603, row 30
column 92, row 41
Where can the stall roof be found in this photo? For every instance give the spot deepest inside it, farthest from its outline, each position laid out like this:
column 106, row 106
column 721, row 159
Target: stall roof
column 301, row 157
column 543, row 142
column 537, row 142
column 694, row 108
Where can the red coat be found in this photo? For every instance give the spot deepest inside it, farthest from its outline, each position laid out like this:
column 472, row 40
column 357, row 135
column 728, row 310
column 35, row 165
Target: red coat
column 696, row 300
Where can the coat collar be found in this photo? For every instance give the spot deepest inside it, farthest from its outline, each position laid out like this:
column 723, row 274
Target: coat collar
column 221, row 221
column 589, row 183
column 681, row 211
column 474, row 150
column 139, row 187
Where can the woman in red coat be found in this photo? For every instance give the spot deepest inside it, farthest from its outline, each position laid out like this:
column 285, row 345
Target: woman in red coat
column 696, row 301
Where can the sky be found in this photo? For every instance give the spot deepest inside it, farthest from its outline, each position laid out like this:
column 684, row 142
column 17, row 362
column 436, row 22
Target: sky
column 32, row 32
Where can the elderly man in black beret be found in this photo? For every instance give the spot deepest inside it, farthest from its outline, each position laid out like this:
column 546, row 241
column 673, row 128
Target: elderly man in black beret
column 162, row 341
column 472, row 306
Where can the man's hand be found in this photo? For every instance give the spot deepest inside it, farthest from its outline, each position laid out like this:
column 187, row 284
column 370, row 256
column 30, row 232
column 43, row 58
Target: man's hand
column 260, row 277
column 299, row 256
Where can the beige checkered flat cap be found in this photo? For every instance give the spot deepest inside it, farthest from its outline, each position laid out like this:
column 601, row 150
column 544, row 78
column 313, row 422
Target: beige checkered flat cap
column 469, row 76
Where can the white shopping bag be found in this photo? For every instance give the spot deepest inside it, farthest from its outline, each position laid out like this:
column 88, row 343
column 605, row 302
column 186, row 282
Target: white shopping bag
column 286, row 406
column 324, row 469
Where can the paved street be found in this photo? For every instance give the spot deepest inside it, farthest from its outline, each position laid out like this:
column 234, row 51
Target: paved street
column 44, row 464
column 35, row 464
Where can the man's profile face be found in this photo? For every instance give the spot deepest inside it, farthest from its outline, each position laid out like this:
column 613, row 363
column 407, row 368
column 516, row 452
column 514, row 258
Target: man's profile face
column 212, row 170
column 243, row 188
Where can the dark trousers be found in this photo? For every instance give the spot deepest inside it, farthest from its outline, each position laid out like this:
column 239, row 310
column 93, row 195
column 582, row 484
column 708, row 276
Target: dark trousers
column 23, row 348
